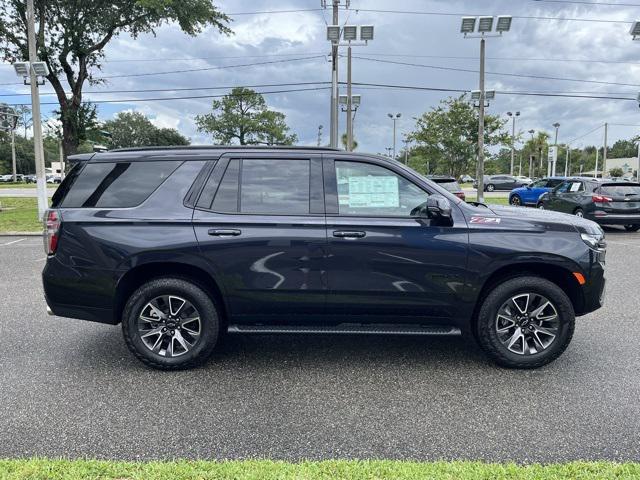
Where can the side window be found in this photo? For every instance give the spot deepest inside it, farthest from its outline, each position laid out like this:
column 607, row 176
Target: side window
column 576, row 187
column 563, row 187
column 554, row 182
column 279, row 187
column 539, row 184
column 371, row 190
column 226, row 199
column 117, row 184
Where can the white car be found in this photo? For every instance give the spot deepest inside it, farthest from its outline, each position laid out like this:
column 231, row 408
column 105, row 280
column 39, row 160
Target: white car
column 523, row 179
column 6, row 178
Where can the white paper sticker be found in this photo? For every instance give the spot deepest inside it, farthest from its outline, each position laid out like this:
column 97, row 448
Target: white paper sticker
column 373, row 192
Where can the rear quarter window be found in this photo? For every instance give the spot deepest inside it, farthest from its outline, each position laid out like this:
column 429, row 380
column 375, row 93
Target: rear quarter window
column 620, row 190
column 116, row 184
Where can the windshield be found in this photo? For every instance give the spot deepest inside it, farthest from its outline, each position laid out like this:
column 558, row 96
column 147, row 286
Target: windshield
column 620, row 190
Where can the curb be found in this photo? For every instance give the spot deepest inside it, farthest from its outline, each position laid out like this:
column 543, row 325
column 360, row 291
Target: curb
column 20, row 234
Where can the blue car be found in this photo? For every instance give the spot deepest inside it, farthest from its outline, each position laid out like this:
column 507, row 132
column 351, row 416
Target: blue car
column 529, row 194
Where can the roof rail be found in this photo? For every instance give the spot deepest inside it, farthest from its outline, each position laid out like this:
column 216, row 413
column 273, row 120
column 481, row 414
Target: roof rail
column 226, row 147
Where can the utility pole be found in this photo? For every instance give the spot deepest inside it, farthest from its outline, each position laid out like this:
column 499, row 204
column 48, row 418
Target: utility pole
column 595, row 173
column 349, row 103
column 319, row 134
column 13, row 155
column 480, row 175
column 566, row 162
column 531, row 154
column 41, row 184
column 604, row 152
column 406, row 150
column 520, row 166
column 333, row 134
column 552, row 164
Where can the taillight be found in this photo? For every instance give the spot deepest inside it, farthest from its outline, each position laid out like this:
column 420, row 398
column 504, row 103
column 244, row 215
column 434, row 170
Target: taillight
column 601, row 199
column 51, row 231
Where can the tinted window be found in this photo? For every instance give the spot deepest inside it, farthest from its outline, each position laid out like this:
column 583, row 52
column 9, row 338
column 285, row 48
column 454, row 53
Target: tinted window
column 274, row 186
column 365, row 189
column 118, row 184
column 540, row 183
column 227, row 196
column 66, row 185
column 554, row 182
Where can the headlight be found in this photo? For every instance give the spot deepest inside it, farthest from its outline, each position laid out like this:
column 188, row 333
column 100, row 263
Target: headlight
column 593, row 241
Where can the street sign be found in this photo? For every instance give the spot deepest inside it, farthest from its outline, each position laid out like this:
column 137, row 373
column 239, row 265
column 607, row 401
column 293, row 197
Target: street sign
column 552, row 156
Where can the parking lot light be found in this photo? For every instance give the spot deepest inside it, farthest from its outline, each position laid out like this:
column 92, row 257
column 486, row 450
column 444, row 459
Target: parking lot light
column 468, row 25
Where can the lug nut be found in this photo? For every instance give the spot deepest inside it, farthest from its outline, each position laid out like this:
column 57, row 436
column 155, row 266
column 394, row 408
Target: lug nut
column 164, row 329
column 173, row 332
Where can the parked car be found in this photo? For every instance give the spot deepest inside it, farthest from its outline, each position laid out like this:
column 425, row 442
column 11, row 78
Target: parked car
column 182, row 245
column 467, row 179
column 529, row 194
column 449, row 183
column 525, row 180
column 54, row 179
column 600, row 200
column 6, row 178
column 499, row 182
column 30, row 178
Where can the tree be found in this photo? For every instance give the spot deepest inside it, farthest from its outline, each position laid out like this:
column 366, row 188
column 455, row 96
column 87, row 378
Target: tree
column 343, row 139
column 623, row 149
column 243, row 116
column 616, row 172
column 71, row 36
column 448, row 135
column 134, row 129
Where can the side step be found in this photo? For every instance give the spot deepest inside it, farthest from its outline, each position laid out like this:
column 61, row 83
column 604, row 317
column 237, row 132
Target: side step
column 347, row 329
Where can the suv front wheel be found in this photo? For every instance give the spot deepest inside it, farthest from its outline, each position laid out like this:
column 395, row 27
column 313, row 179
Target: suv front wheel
column 170, row 323
column 525, row 322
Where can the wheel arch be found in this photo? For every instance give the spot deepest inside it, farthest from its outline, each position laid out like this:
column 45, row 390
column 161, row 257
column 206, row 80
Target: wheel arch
column 141, row 274
column 557, row 274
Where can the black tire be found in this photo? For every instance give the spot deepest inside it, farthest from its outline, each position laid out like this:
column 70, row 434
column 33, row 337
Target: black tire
column 632, row 228
column 486, row 326
column 515, row 200
column 490, row 187
column 209, row 324
column 578, row 212
column 540, row 206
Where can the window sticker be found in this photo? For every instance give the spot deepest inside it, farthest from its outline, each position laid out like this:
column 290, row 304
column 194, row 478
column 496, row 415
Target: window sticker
column 574, row 187
column 372, row 192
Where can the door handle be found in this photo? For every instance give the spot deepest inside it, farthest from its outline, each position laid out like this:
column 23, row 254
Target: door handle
column 348, row 234
column 224, row 232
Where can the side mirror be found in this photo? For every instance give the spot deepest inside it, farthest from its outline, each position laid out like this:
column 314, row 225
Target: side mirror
column 439, row 208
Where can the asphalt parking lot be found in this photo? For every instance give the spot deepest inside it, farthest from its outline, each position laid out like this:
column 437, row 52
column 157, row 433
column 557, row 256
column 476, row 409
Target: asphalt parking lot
column 70, row 388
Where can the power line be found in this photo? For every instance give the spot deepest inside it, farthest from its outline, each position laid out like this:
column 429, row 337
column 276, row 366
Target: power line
column 505, row 74
column 584, row 135
column 269, row 12
column 522, row 17
column 192, row 97
column 176, row 89
column 582, row 2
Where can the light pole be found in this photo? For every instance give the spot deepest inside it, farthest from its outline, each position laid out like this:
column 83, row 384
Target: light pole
column 349, row 33
column 532, row 131
column 513, row 137
column 319, row 134
column 395, row 119
column 406, row 150
column 485, row 27
column 389, row 150
column 33, row 73
column 552, row 166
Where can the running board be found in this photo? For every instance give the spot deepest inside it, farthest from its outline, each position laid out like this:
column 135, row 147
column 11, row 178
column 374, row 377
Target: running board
column 346, row 329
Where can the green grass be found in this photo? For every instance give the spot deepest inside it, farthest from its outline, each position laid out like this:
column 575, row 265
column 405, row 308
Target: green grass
column 17, row 185
column 490, row 201
column 19, row 215
column 38, row 469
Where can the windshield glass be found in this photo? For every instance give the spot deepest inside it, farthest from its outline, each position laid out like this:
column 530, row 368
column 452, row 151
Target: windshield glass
column 620, row 190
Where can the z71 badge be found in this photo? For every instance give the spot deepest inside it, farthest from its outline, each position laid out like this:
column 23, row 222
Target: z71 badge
column 492, row 220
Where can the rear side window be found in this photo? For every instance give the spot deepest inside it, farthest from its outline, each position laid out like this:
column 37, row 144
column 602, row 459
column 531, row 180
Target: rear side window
column 620, row 190
column 117, row 184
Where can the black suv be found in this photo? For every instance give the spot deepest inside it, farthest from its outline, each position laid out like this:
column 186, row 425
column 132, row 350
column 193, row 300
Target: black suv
column 183, row 245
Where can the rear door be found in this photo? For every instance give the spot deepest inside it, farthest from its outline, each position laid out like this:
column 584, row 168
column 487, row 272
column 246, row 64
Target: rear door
column 260, row 225
column 384, row 262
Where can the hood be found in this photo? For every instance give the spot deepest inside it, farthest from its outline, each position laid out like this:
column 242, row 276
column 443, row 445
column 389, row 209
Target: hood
column 582, row 225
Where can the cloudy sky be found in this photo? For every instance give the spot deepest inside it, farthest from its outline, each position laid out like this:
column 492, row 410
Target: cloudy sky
column 277, row 48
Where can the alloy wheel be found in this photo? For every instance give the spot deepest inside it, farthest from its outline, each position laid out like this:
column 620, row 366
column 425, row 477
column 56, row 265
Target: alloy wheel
column 527, row 323
column 169, row 326
column 515, row 201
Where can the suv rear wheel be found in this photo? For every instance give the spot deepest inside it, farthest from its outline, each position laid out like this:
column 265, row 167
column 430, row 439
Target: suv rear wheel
column 632, row 228
column 170, row 323
column 525, row 322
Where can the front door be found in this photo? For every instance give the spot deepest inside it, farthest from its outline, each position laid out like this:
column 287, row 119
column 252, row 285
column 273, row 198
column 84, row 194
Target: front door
column 260, row 226
column 385, row 262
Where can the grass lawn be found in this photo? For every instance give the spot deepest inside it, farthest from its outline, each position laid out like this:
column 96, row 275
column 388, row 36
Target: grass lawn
column 338, row 469
column 17, row 185
column 19, row 215
column 489, row 201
